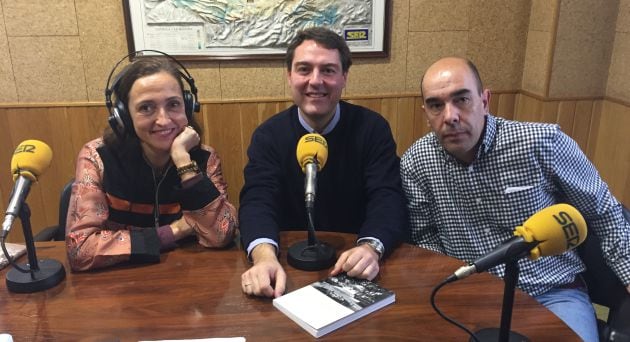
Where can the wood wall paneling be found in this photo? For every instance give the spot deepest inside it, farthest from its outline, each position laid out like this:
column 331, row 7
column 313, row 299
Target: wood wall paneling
column 494, row 103
column 222, row 130
column 529, row 109
column 406, row 122
column 599, row 126
column 506, row 105
column 612, row 152
column 549, row 112
column 566, row 116
column 582, row 122
column 420, row 122
column 593, row 133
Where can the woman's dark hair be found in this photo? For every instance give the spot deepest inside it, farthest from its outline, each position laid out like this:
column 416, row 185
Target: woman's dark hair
column 325, row 37
column 121, row 87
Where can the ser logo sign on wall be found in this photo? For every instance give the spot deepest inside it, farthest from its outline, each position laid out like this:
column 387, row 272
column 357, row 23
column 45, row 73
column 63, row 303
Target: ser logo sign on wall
column 356, row 35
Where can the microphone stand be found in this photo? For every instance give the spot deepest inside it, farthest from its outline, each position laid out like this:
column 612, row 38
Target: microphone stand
column 504, row 334
column 311, row 255
column 42, row 274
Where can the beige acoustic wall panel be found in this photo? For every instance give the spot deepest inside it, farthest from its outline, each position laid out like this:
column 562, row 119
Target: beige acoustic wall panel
column 612, row 151
column 496, row 41
column 619, row 73
column 443, row 15
column 103, row 42
column 8, row 92
column 251, row 79
column 584, row 43
column 536, row 67
column 542, row 15
column 45, row 50
column 623, row 18
column 207, row 78
column 436, row 29
column 40, row 18
column 420, row 56
column 48, row 69
column 370, row 76
column 539, row 47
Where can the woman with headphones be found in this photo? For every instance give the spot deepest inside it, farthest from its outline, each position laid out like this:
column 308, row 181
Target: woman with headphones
column 148, row 182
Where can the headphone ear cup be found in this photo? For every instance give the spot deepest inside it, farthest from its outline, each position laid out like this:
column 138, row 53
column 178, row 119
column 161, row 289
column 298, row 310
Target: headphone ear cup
column 114, row 123
column 190, row 105
column 119, row 119
column 125, row 118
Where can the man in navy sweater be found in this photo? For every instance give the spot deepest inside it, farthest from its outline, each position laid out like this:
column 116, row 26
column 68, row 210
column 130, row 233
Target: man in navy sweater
column 359, row 189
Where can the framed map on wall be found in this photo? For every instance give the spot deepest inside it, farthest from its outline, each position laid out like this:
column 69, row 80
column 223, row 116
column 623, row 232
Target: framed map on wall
column 251, row 29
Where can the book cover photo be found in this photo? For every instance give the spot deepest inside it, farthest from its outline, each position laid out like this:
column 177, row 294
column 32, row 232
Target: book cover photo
column 327, row 305
column 15, row 250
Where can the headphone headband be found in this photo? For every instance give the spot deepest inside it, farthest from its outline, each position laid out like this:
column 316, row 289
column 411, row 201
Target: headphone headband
column 186, row 75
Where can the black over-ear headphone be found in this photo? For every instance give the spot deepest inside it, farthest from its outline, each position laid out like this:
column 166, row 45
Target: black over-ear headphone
column 120, row 120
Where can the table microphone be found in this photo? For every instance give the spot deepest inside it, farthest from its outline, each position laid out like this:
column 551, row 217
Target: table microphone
column 30, row 159
column 551, row 231
column 311, row 255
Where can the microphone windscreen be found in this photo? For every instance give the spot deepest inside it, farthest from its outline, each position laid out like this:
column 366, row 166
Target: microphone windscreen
column 557, row 228
column 310, row 146
column 30, row 159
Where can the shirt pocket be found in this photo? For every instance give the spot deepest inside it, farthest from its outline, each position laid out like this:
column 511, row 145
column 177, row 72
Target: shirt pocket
column 521, row 201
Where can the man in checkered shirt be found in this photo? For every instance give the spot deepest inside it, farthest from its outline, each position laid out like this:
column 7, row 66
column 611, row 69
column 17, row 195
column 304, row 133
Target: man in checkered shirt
column 476, row 177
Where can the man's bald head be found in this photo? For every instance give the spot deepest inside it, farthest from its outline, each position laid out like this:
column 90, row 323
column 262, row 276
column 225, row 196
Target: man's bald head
column 449, row 61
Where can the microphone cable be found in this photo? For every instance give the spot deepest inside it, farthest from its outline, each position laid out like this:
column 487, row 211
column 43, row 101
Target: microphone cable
column 448, row 319
column 312, row 240
column 10, row 259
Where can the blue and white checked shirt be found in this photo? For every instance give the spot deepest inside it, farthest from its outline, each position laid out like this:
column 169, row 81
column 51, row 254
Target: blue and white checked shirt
column 465, row 211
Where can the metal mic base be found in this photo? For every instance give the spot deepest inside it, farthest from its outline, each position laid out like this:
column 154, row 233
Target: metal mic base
column 315, row 257
column 49, row 274
column 492, row 335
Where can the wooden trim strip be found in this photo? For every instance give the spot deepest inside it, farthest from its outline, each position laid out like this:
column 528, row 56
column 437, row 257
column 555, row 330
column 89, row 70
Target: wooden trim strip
column 551, row 99
column 617, row 101
column 353, row 97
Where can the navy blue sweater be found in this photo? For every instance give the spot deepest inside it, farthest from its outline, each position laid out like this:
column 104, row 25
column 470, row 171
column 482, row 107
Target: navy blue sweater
column 358, row 191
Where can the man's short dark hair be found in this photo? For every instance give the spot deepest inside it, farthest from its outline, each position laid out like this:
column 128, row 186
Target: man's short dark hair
column 325, row 37
column 472, row 68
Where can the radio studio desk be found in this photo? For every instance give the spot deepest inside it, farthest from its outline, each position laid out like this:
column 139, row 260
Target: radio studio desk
column 196, row 293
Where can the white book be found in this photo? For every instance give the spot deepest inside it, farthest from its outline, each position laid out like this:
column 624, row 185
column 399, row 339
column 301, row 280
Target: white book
column 327, row 305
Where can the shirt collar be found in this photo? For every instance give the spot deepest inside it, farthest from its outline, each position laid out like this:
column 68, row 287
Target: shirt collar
column 489, row 134
column 331, row 125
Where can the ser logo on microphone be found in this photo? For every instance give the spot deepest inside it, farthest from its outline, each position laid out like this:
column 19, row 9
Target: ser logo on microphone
column 315, row 138
column 25, row 148
column 570, row 229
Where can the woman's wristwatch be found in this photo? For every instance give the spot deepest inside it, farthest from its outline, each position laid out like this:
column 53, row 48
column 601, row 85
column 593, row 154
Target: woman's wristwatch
column 190, row 167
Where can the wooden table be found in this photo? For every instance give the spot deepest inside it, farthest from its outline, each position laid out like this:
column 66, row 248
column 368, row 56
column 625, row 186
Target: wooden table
column 196, row 293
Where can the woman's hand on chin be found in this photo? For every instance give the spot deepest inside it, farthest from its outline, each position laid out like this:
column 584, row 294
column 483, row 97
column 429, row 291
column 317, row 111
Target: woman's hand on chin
column 183, row 143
